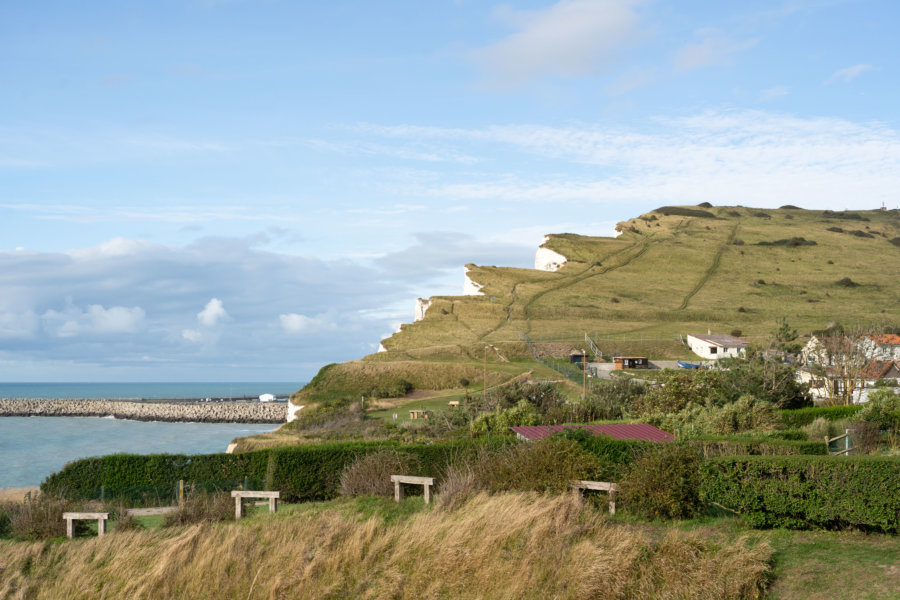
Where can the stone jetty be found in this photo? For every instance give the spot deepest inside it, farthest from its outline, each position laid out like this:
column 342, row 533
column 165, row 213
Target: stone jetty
column 182, row 411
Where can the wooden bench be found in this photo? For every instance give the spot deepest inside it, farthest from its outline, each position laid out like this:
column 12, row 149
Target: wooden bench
column 71, row 517
column 410, row 479
column 601, row 486
column 239, row 496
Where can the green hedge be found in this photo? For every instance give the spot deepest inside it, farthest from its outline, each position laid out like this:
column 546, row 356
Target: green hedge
column 754, row 446
column 799, row 417
column 301, row 473
column 802, row 492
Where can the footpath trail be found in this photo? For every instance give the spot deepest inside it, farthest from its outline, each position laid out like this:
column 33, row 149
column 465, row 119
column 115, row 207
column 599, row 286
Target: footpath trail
column 712, row 268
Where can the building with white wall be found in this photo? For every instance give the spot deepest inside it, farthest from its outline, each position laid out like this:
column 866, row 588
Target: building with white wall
column 716, row 345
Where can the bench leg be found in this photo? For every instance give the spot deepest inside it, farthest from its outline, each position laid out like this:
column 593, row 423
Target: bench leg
column 612, row 503
column 101, row 527
column 273, row 504
column 70, row 529
column 398, row 493
column 238, row 508
column 427, row 494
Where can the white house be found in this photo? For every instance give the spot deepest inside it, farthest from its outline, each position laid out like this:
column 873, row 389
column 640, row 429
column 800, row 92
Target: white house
column 883, row 346
column 716, row 345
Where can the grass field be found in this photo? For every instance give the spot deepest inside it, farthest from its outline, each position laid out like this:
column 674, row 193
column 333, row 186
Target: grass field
column 505, row 546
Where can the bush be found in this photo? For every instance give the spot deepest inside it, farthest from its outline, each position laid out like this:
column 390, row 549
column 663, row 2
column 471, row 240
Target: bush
column 371, row 474
column 548, row 465
column 819, row 429
column 37, row 520
column 201, row 507
column 795, row 418
column 457, row 485
column 755, row 446
column 663, row 483
column 803, row 492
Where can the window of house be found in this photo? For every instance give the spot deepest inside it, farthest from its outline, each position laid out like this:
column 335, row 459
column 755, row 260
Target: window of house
column 713, row 350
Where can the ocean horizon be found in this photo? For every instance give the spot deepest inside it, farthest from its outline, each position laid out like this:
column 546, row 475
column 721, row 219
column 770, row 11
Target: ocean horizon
column 34, row 447
column 149, row 390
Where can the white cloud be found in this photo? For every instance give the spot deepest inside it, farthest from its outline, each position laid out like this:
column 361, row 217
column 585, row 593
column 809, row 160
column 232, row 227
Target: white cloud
column 297, row 323
column 212, row 313
column 116, row 319
column 756, row 158
column 848, row 74
column 74, row 321
column 192, row 335
column 572, row 38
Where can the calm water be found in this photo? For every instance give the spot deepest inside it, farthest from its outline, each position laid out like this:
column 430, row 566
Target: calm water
column 33, row 447
column 146, row 390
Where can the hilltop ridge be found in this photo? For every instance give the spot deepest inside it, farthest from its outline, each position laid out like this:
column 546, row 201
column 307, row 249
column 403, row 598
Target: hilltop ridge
column 670, row 271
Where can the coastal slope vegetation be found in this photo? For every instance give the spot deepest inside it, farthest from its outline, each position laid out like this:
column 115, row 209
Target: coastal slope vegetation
column 669, row 272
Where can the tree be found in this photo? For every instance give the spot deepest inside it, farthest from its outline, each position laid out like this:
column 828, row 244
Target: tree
column 843, row 359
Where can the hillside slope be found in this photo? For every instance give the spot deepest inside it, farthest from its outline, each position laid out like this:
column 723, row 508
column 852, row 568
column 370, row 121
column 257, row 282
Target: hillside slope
column 672, row 271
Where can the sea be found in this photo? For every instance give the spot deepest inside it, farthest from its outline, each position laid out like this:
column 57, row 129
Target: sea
column 31, row 448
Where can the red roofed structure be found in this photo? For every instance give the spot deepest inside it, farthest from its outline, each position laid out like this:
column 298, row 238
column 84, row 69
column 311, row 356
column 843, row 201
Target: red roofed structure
column 619, row 431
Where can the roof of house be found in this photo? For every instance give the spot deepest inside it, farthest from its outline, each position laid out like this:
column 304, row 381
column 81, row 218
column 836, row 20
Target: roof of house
column 881, row 369
column 720, row 339
column 886, row 339
column 619, row 431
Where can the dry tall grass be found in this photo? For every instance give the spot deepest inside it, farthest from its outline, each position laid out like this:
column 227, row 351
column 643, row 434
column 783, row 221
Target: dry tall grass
column 508, row 546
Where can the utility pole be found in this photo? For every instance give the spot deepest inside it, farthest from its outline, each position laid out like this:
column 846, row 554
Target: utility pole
column 583, row 374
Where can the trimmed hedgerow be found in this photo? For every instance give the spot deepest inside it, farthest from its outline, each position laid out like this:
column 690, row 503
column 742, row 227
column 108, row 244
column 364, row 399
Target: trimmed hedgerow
column 301, row 473
column 802, row 492
column 755, row 446
column 798, row 417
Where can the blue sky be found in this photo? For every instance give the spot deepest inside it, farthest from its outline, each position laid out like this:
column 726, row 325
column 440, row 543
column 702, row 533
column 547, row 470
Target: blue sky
column 247, row 190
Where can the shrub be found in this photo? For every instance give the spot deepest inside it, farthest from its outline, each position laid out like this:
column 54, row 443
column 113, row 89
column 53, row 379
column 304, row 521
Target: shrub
column 457, row 485
column 819, row 428
column 548, row 465
column 201, row 507
column 371, row 474
column 798, row 417
column 39, row 519
column 864, row 436
column 127, row 522
column 685, row 212
column 663, row 483
column 522, row 413
column 755, row 446
column 803, row 492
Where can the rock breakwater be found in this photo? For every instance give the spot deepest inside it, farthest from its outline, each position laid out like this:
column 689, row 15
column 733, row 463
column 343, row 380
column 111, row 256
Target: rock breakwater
column 184, row 411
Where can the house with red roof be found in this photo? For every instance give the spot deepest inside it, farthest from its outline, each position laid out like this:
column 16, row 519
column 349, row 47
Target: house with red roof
column 883, row 346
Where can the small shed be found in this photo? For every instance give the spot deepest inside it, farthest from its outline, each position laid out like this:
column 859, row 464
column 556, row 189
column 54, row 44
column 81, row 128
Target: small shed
column 619, row 431
column 631, row 362
column 578, row 357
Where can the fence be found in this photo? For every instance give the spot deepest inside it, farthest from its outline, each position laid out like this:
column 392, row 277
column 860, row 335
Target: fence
column 163, row 495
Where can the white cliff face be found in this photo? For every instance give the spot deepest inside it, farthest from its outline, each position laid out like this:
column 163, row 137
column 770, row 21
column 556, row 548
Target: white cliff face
column 421, row 306
column 292, row 410
column 548, row 260
column 470, row 287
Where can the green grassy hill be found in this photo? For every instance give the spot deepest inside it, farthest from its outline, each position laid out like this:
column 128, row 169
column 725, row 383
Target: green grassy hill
column 672, row 271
